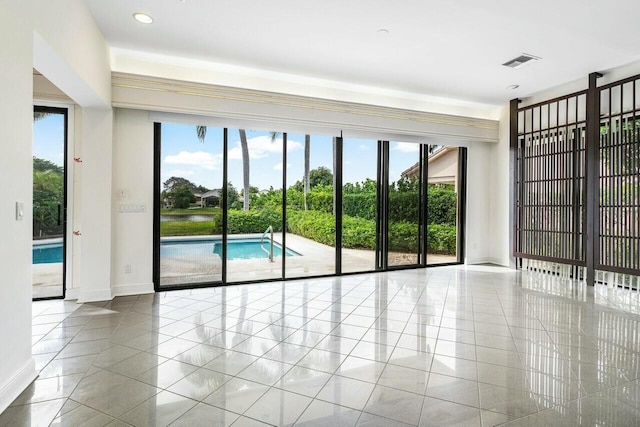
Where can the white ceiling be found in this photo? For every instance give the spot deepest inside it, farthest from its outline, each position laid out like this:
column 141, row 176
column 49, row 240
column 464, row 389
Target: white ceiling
column 441, row 48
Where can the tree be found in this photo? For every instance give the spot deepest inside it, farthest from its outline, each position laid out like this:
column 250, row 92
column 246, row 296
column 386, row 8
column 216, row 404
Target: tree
column 307, row 149
column 245, row 167
column 305, row 178
column 232, row 196
column 178, row 181
column 48, row 197
column 202, row 133
column 320, row 176
column 180, row 196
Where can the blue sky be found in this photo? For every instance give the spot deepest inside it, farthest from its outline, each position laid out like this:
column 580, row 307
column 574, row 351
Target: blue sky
column 48, row 139
column 184, row 155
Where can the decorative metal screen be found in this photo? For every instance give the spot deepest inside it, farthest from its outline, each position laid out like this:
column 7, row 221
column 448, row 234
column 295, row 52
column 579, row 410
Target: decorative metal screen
column 550, row 181
column 619, row 177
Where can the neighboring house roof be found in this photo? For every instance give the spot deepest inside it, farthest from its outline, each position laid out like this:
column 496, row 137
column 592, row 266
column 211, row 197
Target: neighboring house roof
column 433, row 157
column 211, row 193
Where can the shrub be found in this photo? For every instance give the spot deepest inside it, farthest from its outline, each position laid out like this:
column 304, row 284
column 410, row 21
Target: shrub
column 358, row 233
column 254, row 221
column 441, row 239
column 443, row 206
column 314, row 225
column 321, row 201
column 403, row 237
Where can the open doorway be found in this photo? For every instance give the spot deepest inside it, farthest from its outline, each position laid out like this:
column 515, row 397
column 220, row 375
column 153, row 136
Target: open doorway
column 50, row 130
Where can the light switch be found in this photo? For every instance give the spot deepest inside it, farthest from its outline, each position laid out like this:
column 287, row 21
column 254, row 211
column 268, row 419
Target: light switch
column 19, row 211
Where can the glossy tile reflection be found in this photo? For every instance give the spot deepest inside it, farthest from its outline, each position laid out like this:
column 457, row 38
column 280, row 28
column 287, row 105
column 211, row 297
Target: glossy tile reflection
column 468, row 346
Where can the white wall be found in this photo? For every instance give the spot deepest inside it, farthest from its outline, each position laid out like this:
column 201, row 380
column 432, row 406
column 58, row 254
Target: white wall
column 499, row 251
column 60, row 39
column 132, row 184
column 16, row 85
column 478, row 237
column 94, row 223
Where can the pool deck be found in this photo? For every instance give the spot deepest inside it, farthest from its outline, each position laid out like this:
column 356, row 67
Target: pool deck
column 316, row 259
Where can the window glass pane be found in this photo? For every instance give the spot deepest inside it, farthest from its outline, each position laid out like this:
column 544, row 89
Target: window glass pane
column 48, row 204
column 254, row 245
column 311, row 218
column 360, row 174
column 190, row 211
column 442, row 205
column 404, row 202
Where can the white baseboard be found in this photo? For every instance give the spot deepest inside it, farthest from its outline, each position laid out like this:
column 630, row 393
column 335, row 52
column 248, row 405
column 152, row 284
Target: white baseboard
column 472, row 261
column 94, row 296
column 72, row 294
column 139, row 289
column 498, row 261
column 16, row 385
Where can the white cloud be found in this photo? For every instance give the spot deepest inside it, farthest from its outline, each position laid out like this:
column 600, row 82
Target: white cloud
column 201, row 159
column 278, row 167
column 363, row 147
column 348, row 162
column 261, row 146
column 406, row 147
column 179, row 172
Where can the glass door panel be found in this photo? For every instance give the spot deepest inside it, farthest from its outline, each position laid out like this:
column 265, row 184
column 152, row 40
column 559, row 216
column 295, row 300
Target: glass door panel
column 442, row 205
column 311, row 217
column 254, row 214
column 404, row 203
column 359, row 204
column 191, row 183
column 49, row 189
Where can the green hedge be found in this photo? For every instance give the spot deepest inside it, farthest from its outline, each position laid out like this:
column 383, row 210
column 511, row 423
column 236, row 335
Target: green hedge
column 403, row 206
column 253, row 221
column 360, row 233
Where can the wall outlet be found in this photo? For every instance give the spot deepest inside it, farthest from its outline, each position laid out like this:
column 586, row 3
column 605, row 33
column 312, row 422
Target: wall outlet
column 127, row 268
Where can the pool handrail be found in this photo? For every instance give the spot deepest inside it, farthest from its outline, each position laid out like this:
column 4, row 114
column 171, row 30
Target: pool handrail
column 270, row 251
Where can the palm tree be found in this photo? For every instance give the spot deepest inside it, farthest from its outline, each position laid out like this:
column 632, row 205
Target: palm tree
column 307, row 149
column 202, row 133
column 307, row 153
column 245, row 167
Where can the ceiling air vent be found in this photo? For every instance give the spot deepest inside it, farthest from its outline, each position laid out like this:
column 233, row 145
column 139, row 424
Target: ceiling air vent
column 521, row 60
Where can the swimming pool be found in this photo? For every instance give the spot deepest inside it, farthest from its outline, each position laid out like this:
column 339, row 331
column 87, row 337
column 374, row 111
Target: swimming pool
column 47, row 253
column 236, row 249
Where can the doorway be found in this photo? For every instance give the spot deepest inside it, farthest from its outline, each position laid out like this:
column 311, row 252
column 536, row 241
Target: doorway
column 50, row 131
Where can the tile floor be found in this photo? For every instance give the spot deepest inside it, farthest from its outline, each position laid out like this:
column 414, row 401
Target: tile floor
column 467, row 346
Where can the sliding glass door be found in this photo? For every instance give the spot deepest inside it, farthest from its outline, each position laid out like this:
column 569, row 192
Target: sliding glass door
column 310, row 208
column 189, row 164
column 446, row 185
column 254, row 211
column 241, row 205
column 49, row 202
column 404, row 207
column 359, row 204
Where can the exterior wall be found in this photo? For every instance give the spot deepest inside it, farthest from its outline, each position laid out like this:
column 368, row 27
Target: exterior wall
column 444, row 169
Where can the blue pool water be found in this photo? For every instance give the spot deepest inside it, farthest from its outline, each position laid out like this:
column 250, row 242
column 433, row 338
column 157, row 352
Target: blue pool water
column 236, row 248
column 47, row 254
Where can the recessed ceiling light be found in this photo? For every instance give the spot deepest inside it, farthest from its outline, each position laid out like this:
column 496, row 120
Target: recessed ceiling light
column 383, row 32
column 513, row 87
column 143, row 18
